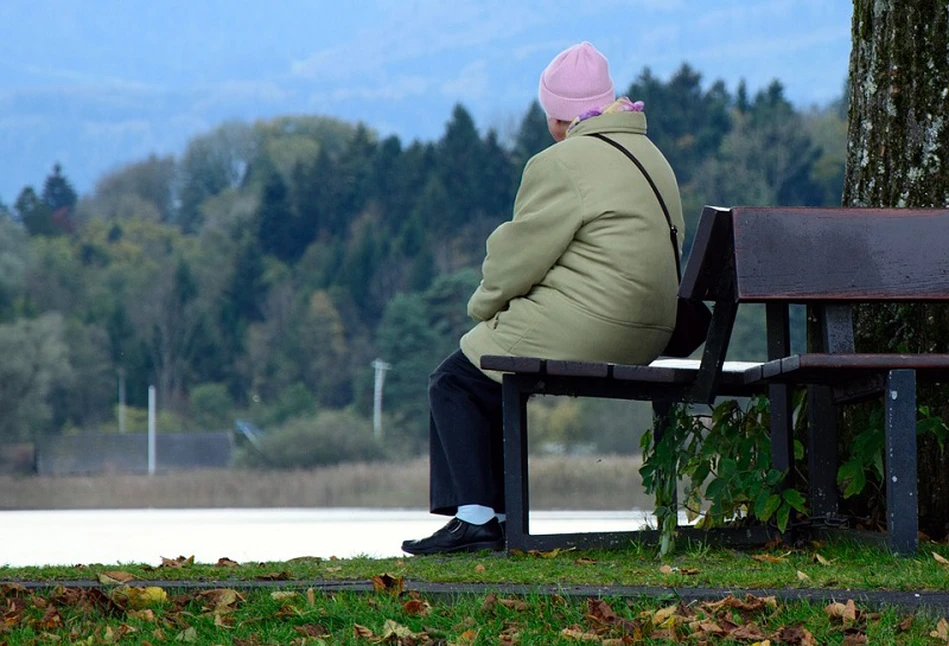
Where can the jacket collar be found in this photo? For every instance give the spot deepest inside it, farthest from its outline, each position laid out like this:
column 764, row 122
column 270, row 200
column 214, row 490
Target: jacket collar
column 631, row 122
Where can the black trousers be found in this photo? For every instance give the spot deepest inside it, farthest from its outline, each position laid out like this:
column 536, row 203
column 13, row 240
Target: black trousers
column 466, row 461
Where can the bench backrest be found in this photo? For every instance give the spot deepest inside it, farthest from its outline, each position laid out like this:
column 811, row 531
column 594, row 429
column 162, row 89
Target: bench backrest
column 825, row 256
column 808, row 255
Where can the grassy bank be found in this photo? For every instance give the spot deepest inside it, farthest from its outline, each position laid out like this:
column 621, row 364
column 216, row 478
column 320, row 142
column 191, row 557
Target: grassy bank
column 591, row 482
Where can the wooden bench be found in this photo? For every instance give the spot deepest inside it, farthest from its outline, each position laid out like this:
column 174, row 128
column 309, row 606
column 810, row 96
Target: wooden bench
column 827, row 258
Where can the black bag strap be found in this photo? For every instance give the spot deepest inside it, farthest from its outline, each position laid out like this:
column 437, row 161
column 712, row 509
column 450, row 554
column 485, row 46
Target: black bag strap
column 673, row 231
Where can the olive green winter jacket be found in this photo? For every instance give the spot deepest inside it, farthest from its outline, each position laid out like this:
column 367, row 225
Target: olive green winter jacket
column 584, row 270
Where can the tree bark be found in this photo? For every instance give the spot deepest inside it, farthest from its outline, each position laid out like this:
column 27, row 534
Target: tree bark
column 898, row 156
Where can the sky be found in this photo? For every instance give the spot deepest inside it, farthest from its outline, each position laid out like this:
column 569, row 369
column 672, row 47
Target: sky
column 96, row 85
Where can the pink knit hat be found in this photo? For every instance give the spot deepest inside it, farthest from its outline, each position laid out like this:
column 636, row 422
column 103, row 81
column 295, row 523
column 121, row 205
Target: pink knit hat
column 577, row 80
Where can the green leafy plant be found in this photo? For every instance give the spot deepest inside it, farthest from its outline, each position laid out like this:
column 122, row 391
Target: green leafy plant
column 725, row 458
column 863, row 465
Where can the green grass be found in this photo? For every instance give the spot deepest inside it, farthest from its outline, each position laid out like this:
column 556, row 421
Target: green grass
column 842, row 564
column 291, row 612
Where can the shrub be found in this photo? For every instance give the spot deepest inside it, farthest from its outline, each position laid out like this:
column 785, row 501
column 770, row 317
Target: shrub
column 211, row 406
column 328, row 438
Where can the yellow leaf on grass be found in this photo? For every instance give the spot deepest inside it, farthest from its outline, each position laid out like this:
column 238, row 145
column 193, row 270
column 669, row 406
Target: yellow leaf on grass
column 667, row 569
column 940, row 558
column 820, row 559
column 479, row 568
column 187, row 635
column 139, row 598
column 282, row 595
column 467, row 637
column 768, row 558
column 391, row 629
column 802, row 576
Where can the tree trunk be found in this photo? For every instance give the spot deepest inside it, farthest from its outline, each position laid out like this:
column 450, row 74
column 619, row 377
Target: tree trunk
column 898, row 156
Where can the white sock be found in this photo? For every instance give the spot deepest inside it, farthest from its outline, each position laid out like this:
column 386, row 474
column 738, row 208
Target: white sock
column 474, row 514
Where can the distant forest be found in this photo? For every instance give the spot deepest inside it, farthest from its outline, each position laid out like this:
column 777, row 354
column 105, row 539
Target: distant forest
column 260, row 273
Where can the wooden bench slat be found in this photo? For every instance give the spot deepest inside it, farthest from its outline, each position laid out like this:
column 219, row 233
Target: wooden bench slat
column 577, row 368
column 526, row 365
column 825, row 368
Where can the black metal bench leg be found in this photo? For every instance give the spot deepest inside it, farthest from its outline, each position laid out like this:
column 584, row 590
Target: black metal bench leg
column 516, row 495
column 822, row 453
column 900, row 445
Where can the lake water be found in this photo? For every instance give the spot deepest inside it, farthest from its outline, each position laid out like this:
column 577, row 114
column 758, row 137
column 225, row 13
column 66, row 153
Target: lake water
column 61, row 537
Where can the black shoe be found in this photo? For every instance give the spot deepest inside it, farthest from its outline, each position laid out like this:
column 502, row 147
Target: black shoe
column 459, row 536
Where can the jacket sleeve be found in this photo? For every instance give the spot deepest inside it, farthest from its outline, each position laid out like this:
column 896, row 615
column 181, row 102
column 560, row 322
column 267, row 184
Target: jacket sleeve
column 547, row 215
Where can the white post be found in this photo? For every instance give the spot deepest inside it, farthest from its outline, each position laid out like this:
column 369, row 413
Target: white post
column 380, row 367
column 151, row 430
column 121, row 400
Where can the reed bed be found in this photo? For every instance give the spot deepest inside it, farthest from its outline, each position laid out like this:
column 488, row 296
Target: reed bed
column 581, row 482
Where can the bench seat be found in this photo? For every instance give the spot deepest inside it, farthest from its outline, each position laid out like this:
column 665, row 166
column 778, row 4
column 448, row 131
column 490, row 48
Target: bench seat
column 738, row 378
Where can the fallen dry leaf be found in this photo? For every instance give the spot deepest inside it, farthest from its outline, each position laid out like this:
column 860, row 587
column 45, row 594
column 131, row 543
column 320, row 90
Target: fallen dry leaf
column 189, row 634
column 940, row 559
column 392, row 629
column 416, row 607
column 514, row 604
column 942, row 631
column 467, row 637
column 220, row 600
column 768, row 558
column 820, row 559
column 802, row 576
column 554, row 553
column 312, row 630
column 479, row 568
column 795, row 636
column 226, row 562
column 179, row 562
column 274, row 576
column 578, row 634
column 50, row 619
column 311, row 596
column 748, row 632
column 907, row 624
column 583, row 560
column 843, row 611
column 854, row 639
column 142, row 615
column 666, row 569
column 389, row 584
column 362, row 632
column 283, row 595
column 114, row 578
